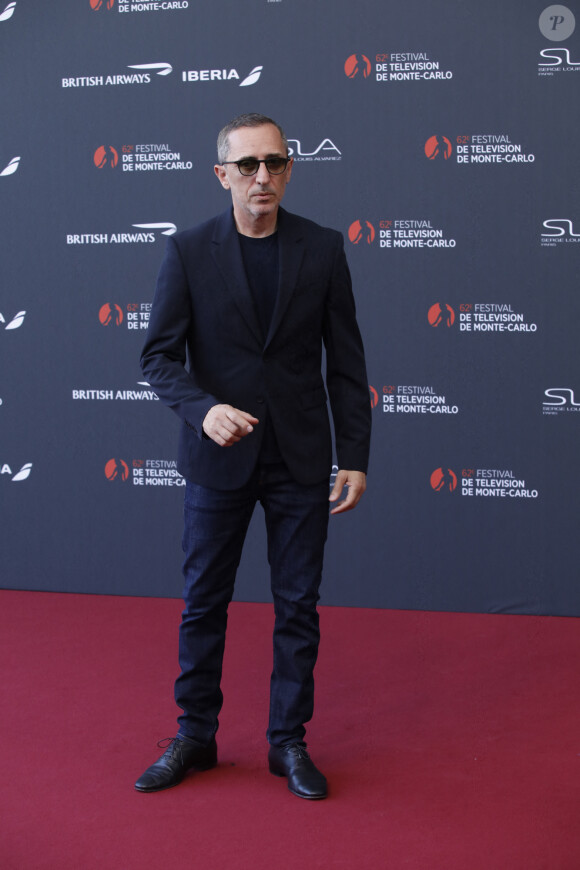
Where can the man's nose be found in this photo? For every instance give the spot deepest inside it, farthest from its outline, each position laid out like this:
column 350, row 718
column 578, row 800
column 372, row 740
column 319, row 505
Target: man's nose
column 262, row 175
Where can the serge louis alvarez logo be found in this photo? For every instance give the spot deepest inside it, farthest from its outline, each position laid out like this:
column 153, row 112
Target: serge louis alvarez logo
column 560, row 400
column 558, row 231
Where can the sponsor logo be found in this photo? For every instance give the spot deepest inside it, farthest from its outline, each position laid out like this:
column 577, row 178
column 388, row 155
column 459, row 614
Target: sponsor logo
column 8, row 12
column 114, row 395
column 144, row 472
column 415, row 400
column 557, row 23
column 560, row 400
column 136, row 78
column 493, row 148
column 14, row 322
column 495, row 483
column 327, row 150
column 140, row 238
column 17, row 477
column 558, row 231
column 132, row 316
column 481, row 317
column 222, row 75
column 556, row 60
column 11, row 168
column 397, row 66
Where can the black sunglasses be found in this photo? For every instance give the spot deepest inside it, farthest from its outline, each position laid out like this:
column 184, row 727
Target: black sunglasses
column 250, row 165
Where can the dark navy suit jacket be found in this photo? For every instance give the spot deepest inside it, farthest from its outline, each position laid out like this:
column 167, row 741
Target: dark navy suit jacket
column 205, row 346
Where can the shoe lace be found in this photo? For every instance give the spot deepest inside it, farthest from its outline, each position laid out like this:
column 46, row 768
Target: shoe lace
column 299, row 751
column 172, row 746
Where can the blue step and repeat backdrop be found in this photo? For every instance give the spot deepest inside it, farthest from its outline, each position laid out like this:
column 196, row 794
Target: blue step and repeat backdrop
column 442, row 139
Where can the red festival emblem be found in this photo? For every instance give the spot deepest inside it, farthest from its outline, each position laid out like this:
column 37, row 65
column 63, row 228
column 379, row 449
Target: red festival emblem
column 111, row 313
column 360, row 230
column 106, row 155
column 97, row 5
column 374, row 397
column 116, row 469
column 357, row 63
column 438, row 146
column 441, row 313
column 443, row 478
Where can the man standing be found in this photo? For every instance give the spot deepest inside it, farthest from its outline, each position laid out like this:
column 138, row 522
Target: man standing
column 243, row 306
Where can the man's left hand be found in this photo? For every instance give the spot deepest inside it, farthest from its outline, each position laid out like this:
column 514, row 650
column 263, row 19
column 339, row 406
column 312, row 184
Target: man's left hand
column 356, row 481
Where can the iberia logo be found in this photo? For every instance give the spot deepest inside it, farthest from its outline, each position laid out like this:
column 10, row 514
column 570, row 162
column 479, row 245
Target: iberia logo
column 111, row 313
column 357, row 63
column 361, row 230
column 106, row 155
column 438, row 146
column 97, row 5
column 443, row 479
column 116, row 469
column 374, row 397
column 441, row 313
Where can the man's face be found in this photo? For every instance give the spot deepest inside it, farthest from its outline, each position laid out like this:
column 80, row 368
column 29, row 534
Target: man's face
column 255, row 196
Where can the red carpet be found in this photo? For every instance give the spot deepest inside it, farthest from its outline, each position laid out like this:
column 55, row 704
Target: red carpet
column 450, row 741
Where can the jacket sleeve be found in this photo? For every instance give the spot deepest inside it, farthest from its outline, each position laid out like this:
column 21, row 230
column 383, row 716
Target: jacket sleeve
column 164, row 356
column 346, row 376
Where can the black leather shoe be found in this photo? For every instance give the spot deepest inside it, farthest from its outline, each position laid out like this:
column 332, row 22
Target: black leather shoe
column 179, row 757
column 304, row 779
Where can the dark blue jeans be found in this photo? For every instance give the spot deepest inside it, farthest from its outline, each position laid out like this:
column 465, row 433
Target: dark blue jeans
column 215, row 528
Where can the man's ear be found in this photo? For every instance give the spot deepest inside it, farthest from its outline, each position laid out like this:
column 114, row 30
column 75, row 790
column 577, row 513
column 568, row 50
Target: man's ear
column 222, row 176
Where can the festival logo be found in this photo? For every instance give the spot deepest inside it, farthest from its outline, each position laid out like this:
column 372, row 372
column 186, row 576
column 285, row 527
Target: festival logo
column 443, row 480
column 355, row 64
column 14, row 322
column 145, row 472
column 125, row 6
column 361, row 231
column 397, row 66
column 438, row 146
column 482, row 317
column 374, row 397
column 492, row 148
column 130, row 316
column 416, row 400
column 98, row 5
column 152, row 158
column 493, row 483
column 441, row 313
column 16, row 477
column 11, row 168
column 106, row 155
column 117, row 469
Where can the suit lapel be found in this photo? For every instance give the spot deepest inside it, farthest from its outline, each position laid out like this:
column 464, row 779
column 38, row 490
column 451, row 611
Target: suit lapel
column 228, row 258
column 291, row 252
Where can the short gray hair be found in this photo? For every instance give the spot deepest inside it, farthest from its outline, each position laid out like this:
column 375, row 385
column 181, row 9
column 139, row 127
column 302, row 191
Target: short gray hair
column 252, row 119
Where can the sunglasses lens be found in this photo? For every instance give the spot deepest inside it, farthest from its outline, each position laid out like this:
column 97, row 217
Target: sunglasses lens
column 276, row 165
column 248, row 166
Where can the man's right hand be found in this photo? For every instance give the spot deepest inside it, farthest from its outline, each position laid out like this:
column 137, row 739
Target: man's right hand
column 226, row 425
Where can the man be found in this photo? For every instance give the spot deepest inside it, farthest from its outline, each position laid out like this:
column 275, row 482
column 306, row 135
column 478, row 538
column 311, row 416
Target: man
column 243, row 305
